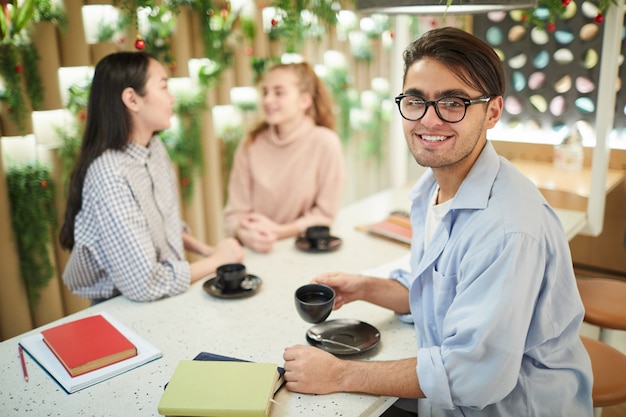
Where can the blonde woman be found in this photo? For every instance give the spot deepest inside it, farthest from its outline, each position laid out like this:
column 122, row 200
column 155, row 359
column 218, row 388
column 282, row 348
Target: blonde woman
column 289, row 173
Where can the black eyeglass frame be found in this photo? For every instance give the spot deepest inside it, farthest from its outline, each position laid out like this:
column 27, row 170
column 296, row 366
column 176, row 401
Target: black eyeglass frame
column 467, row 102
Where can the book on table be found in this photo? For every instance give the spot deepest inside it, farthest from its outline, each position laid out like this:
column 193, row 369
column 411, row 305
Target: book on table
column 220, row 388
column 103, row 361
column 396, row 226
column 87, row 344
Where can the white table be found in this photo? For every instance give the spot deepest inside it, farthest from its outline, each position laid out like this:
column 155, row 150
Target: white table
column 257, row 328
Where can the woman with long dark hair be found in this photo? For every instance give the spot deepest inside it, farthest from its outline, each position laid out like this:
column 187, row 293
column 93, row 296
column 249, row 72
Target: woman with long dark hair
column 122, row 221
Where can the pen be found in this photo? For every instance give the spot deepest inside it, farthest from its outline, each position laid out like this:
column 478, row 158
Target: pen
column 24, row 370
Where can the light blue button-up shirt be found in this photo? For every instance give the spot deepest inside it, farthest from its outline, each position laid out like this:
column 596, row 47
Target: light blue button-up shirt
column 494, row 302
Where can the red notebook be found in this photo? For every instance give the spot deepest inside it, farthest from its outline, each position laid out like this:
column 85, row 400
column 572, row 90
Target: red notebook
column 87, row 344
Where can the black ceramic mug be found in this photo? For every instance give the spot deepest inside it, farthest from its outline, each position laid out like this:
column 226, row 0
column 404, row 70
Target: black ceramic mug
column 314, row 302
column 230, row 276
column 318, row 236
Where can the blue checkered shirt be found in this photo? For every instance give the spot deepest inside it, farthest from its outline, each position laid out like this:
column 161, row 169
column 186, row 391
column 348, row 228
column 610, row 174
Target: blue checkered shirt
column 128, row 232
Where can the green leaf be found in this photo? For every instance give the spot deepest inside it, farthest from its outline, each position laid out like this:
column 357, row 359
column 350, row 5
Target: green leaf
column 23, row 15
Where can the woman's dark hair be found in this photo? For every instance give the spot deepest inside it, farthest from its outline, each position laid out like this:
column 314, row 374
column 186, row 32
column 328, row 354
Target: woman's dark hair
column 108, row 124
column 468, row 57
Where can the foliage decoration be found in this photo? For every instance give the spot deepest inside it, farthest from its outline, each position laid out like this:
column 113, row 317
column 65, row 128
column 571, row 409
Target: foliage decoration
column 33, row 219
column 78, row 96
column 156, row 28
column 48, row 11
column 294, row 19
column 339, row 81
column 18, row 61
column 547, row 12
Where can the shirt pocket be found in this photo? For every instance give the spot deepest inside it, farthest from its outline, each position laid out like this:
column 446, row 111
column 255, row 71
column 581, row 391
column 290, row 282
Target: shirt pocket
column 444, row 292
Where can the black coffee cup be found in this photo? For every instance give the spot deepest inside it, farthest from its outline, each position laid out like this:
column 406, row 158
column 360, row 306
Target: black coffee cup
column 314, row 302
column 318, row 236
column 230, row 276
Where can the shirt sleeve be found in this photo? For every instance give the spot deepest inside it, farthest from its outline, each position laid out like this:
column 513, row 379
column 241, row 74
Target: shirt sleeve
column 478, row 362
column 137, row 269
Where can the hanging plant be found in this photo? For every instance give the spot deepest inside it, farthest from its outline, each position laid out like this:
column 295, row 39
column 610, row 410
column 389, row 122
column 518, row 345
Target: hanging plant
column 156, row 27
column 295, row 19
column 19, row 57
column 339, row 81
column 72, row 135
column 13, row 60
column 547, row 12
column 48, row 11
column 33, row 218
column 184, row 142
column 545, row 15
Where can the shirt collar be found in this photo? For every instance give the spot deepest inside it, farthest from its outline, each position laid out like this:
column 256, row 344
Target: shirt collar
column 476, row 187
column 138, row 152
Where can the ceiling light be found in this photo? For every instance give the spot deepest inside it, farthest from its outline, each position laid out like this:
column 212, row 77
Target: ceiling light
column 440, row 6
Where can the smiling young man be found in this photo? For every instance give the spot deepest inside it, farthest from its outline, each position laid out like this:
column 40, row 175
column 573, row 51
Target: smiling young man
column 491, row 291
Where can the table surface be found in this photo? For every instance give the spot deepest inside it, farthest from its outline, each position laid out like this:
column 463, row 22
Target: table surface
column 546, row 175
column 256, row 328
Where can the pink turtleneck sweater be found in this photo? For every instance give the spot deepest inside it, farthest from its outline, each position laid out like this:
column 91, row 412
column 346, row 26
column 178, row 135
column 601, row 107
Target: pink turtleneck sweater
column 299, row 178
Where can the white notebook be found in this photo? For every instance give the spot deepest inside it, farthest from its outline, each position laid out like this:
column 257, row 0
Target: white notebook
column 39, row 351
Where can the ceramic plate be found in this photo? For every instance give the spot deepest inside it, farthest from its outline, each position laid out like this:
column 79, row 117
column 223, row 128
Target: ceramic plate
column 348, row 331
column 249, row 286
column 303, row 244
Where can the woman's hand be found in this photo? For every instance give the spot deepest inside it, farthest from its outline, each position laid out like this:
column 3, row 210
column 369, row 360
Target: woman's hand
column 228, row 251
column 257, row 232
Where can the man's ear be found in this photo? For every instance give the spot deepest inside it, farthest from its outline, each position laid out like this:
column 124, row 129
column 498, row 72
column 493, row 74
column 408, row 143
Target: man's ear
column 130, row 98
column 494, row 111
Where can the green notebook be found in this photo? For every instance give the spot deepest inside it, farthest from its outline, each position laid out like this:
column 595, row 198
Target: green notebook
column 220, row 389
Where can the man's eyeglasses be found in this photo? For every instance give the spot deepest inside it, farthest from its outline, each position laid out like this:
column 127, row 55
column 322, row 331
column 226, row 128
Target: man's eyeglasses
column 449, row 109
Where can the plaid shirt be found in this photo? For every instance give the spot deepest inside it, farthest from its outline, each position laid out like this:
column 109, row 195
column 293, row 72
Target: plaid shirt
column 128, row 232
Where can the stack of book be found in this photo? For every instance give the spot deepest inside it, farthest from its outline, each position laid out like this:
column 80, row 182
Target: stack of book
column 397, row 226
column 221, row 386
column 86, row 351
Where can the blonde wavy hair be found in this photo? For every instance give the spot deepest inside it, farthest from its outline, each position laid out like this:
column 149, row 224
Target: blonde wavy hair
column 321, row 110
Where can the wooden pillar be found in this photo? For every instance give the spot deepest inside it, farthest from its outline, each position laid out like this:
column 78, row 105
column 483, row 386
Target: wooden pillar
column 44, row 37
column 182, row 49
column 73, row 45
column 212, row 177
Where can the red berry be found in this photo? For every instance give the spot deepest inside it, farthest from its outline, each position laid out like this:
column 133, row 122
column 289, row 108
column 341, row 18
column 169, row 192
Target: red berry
column 274, row 22
column 44, row 184
column 140, row 44
column 599, row 18
column 19, row 69
column 566, row 2
column 551, row 27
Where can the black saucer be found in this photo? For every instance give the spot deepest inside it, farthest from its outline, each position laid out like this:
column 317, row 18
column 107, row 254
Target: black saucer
column 303, row 244
column 249, row 286
column 351, row 332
